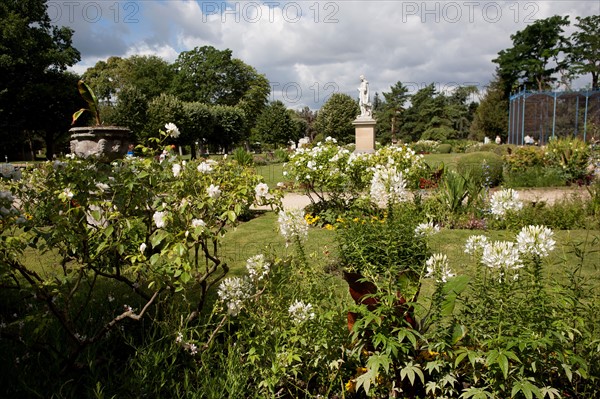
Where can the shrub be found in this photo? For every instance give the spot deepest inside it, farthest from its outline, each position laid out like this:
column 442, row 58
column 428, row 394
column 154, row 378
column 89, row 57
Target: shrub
column 572, row 155
column 242, row 157
column 423, row 146
column 534, row 176
column 281, row 155
column 444, row 148
column 484, row 167
column 524, row 157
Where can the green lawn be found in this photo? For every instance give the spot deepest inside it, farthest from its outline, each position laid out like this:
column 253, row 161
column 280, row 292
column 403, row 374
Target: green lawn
column 272, row 173
column 259, row 233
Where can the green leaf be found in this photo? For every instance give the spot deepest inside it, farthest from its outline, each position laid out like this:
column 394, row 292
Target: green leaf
column 503, row 364
column 158, row 237
column 77, row 114
column 154, row 258
column 108, row 230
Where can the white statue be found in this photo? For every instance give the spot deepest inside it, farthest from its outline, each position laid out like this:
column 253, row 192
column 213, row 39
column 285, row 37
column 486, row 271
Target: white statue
column 364, row 100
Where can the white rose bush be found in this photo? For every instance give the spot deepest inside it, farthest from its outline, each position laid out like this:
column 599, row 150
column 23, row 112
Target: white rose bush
column 149, row 228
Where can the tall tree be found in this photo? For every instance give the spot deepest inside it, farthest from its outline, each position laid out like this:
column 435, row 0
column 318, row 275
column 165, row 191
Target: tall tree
column 584, row 55
column 213, row 76
column 395, row 100
column 336, row 116
column 537, row 53
column 460, row 111
column 491, row 117
column 427, row 111
column 275, row 126
column 151, row 75
column 33, row 54
column 309, row 117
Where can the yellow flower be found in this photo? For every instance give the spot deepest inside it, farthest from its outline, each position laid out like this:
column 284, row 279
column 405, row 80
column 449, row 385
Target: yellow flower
column 329, row 227
column 351, row 386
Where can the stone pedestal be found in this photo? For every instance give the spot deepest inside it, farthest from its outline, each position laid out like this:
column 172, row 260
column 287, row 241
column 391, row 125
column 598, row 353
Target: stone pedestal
column 365, row 134
column 104, row 142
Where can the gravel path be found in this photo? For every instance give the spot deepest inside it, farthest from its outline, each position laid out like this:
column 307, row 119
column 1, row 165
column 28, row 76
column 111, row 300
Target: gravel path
column 548, row 195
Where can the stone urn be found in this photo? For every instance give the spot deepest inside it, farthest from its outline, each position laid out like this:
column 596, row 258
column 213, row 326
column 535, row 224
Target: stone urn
column 103, row 142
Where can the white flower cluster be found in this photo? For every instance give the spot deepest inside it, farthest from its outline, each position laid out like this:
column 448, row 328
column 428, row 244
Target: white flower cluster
column 387, row 186
column 475, row 244
column 234, row 291
column 426, row 229
column 206, row 166
column 293, row 225
column 501, row 255
column 301, row 312
column 159, row 219
column 172, row 130
column 535, row 240
column 506, row 255
column 437, row 266
column 257, row 267
column 503, row 201
column 213, row 191
column 198, row 223
column 176, row 168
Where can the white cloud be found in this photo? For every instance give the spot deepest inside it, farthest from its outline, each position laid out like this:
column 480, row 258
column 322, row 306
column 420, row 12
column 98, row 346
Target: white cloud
column 323, row 46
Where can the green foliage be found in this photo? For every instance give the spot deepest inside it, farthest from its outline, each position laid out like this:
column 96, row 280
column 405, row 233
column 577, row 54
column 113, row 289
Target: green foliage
column 146, row 228
column 336, row 116
column 444, row 148
column 564, row 214
column 275, row 126
column 524, row 157
column 242, row 157
column 584, row 52
column 491, row 117
column 438, row 133
column 37, row 94
column 484, row 167
column 535, row 176
column 165, row 107
column 570, row 154
column 89, row 97
column 534, row 57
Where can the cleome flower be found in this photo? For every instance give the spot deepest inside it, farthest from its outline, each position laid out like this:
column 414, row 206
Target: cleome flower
column 213, row 191
column 205, row 167
column 176, row 168
column 301, row 312
column 426, row 229
column 159, row 219
column 501, row 255
column 257, row 267
column 535, row 240
column 475, row 244
column 292, row 225
column 503, row 201
column 233, row 291
column 387, row 186
column 437, row 266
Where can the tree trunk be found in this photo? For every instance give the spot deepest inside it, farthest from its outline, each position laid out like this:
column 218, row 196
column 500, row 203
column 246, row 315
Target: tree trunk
column 49, row 139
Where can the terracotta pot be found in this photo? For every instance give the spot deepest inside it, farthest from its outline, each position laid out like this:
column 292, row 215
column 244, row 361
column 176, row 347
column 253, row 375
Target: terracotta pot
column 362, row 290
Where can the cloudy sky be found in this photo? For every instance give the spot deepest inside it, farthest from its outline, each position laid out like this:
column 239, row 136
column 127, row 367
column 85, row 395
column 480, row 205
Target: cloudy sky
column 311, row 49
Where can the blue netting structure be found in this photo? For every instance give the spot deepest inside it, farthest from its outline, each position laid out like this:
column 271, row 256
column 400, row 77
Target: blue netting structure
column 543, row 115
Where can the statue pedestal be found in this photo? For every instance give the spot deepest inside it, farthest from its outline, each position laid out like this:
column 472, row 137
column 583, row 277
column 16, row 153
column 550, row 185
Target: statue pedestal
column 365, row 134
column 104, row 142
